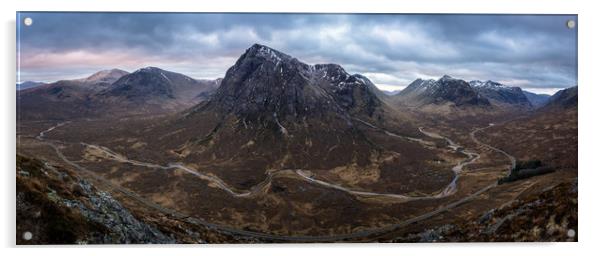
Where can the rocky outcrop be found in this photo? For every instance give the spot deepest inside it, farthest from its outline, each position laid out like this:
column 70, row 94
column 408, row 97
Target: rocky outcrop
column 123, row 226
column 57, row 207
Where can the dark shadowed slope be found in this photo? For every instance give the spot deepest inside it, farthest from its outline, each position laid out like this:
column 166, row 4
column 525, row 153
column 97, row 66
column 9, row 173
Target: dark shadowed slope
column 537, row 100
column 566, row 98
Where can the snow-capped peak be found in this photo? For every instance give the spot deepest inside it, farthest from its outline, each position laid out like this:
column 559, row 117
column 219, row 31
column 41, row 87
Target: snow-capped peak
column 258, row 50
column 487, row 84
column 476, row 83
column 149, row 69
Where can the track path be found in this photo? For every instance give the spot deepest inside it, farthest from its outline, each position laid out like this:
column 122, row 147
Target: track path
column 306, row 175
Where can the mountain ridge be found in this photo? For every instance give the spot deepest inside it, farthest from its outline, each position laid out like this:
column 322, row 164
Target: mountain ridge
column 501, row 94
column 445, row 90
column 566, row 98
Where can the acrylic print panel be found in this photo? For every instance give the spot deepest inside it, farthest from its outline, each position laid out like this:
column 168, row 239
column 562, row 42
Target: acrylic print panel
column 262, row 128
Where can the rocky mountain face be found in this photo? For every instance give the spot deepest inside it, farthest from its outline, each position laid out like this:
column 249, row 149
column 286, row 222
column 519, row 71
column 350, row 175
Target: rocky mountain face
column 536, row 100
column 446, row 90
column 265, row 83
column 501, row 94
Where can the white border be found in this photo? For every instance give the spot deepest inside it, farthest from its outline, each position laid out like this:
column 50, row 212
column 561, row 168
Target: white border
column 589, row 124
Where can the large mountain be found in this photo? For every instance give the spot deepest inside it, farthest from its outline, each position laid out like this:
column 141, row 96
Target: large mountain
column 270, row 87
column 501, row 95
column 113, row 93
column 445, row 91
column 267, row 82
column 274, row 111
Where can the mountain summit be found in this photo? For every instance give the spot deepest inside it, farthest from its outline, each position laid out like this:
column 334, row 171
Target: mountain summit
column 105, row 76
column 265, row 83
column 274, row 110
column 152, row 83
column 500, row 94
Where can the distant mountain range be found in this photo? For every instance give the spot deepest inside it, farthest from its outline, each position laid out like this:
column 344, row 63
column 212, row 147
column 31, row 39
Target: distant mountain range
column 114, row 92
column 153, row 90
column 501, row 94
column 28, row 84
column 452, row 92
column 442, row 91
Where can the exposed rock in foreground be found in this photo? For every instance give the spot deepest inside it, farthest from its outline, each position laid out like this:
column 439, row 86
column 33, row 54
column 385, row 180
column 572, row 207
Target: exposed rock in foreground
column 56, row 207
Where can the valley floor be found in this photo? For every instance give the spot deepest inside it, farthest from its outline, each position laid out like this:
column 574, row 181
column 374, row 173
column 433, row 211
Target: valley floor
column 187, row 203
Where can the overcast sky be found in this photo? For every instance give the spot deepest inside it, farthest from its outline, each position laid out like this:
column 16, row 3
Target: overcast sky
column 534, row 52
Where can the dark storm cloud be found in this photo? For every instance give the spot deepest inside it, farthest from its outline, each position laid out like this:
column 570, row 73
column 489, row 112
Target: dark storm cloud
column 392, row 50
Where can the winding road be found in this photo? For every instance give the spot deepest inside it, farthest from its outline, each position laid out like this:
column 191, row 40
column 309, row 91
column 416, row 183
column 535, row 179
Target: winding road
column 510, row 157
column 305, row 174
column 450, row 189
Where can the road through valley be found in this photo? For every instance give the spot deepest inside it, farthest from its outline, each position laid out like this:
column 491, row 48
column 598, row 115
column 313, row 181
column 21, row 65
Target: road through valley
column 304, row 174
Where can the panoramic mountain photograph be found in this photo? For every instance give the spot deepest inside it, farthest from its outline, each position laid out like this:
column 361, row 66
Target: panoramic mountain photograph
column 191, row 128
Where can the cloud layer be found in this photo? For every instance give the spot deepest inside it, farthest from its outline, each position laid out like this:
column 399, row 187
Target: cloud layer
column 536, row 51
